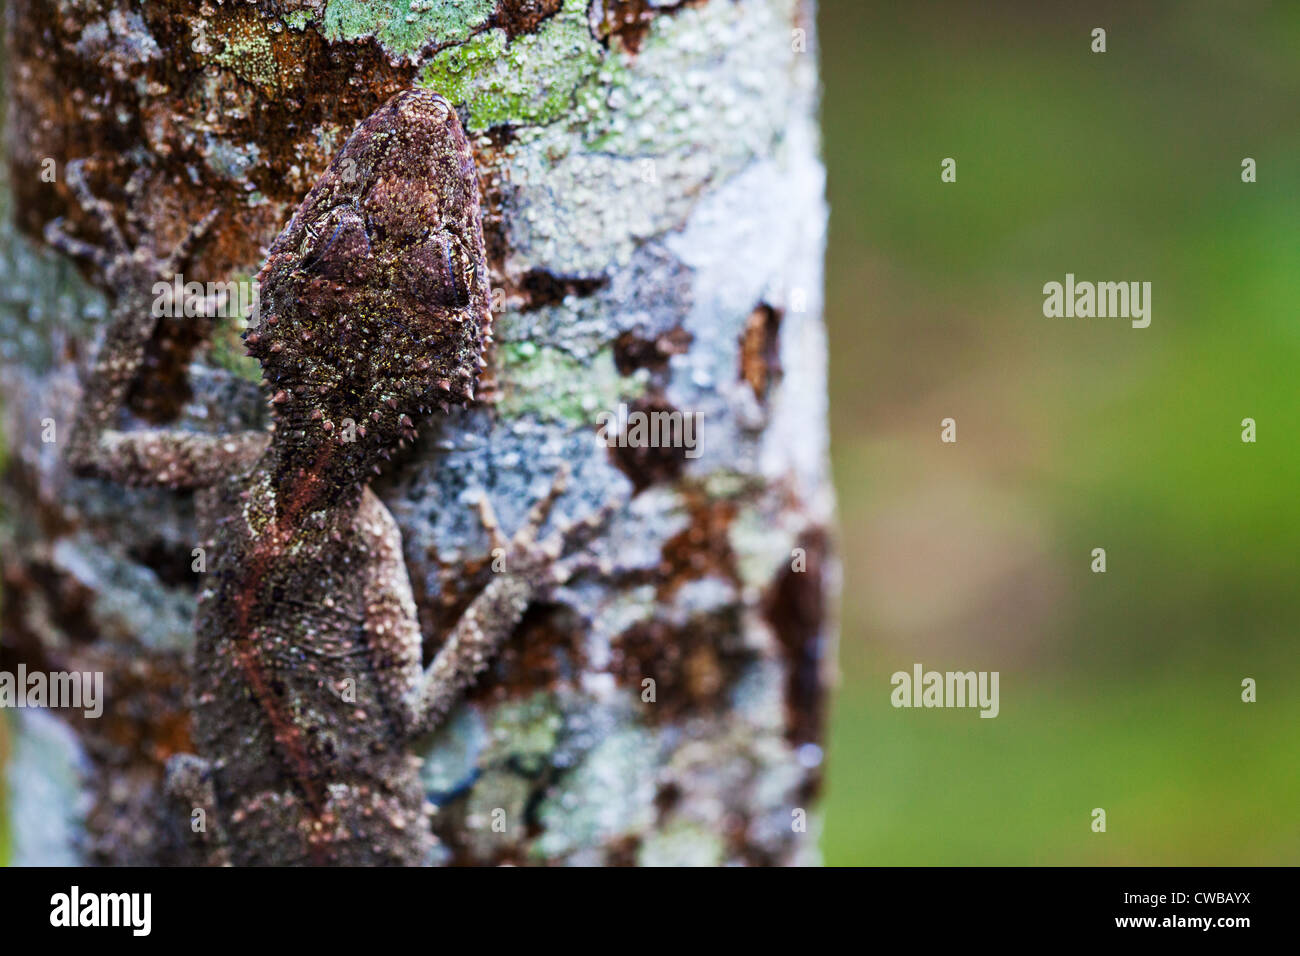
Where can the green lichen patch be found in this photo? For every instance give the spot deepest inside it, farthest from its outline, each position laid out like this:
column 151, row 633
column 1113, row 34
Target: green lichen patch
column 231, row 160
column 762, row 546
column 682, row 844
column 524, row 733
column 668, row 102
column 533, row 79
column 297, row 19
column 246, row 46
column 42, row 291
column 610, row 794
column 551, row 384
column 496, row 814
column 403, row 27
column 47, row 801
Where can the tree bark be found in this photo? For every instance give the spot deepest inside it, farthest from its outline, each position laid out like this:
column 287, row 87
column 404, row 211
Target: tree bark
column 653, row 202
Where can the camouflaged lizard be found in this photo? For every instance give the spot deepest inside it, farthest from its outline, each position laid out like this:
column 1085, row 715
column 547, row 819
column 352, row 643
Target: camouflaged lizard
column 307, row 682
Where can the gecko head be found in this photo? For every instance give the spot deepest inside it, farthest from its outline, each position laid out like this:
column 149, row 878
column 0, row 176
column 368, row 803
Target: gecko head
column 374, row 298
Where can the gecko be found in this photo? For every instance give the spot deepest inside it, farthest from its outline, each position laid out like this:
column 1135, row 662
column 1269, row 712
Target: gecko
column 307, row 684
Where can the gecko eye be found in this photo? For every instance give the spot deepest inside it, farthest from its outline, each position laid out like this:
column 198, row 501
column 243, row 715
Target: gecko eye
column 438, row 273
column 337, row 245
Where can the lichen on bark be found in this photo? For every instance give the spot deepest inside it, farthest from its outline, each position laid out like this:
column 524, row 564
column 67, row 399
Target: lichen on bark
column 652, row 182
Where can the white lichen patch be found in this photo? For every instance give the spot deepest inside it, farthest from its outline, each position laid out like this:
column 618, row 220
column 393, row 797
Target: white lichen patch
column 708, row 91
column 763, row 547
column 48, row 799
column 451, row 759
column 609, row 794
column 130, row 603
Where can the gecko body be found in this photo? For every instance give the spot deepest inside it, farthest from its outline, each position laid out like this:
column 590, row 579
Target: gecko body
column 307, row 679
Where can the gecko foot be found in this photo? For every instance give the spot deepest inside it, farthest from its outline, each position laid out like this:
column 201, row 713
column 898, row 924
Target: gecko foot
column 524, row 544
column 189, row 784
column 541, row 559
column 560, row 556
column 123, row 260
column 528, row 569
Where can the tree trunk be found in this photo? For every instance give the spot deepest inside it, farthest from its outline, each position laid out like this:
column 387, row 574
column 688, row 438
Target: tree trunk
column 653, row 205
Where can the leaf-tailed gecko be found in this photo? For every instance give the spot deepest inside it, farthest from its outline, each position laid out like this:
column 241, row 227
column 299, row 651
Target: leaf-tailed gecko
column 307, row 679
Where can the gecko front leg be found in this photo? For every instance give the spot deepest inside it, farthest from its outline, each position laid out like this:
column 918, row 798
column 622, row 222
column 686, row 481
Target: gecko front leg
column 532, row 567
column 129, row 269
column 158, row 457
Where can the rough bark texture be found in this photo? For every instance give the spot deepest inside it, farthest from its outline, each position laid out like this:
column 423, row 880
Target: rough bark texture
column 655, row 219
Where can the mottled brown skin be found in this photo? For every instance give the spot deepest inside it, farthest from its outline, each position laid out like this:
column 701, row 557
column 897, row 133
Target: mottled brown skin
column 375, row 297
column 307, row 678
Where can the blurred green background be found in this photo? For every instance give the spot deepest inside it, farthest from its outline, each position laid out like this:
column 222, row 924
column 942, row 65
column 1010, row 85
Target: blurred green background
column 1118, row 690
